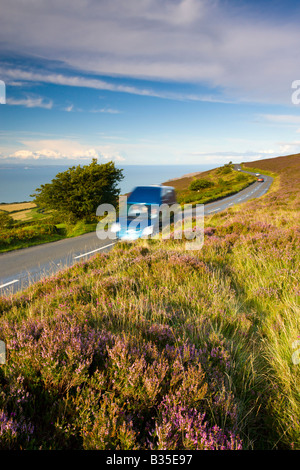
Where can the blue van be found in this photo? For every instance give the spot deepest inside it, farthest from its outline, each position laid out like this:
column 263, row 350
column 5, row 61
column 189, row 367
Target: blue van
column 141, row 216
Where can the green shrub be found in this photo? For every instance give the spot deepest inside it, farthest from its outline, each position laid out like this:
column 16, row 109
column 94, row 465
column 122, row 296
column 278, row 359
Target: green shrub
column 200, row 183
column 6, row 221
column 226, row 169
column 25, row 234
column 241, row 177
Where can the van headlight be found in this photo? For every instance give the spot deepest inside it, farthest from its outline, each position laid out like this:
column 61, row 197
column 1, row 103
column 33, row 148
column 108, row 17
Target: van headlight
column 116, row 227
column 148, row 230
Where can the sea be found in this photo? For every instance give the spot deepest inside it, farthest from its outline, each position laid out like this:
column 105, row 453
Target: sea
column 18, row 182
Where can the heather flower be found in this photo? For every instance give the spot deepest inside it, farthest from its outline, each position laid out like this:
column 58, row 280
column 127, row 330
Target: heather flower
column 162, row 334
column 109, row 428
column 153, row 347
column 60, row 351
column 12, row 432
column 183, row 428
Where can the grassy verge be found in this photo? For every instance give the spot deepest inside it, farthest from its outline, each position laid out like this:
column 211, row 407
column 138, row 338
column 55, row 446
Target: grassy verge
column 154, row 347
column 258, row 170
column 24, row 225
column 37, row 234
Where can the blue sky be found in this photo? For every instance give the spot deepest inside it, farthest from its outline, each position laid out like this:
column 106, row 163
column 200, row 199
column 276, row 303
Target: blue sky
column 149, row 81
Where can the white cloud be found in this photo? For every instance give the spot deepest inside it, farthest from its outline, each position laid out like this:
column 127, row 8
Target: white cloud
column 94, row 83
column 64, row 149
column 282, row 118
column 69, row 108
column 30, row 102
column 267, row 152
column 232, row 155
column 106, row 111
column 250, row 56
column 23, row 154
column 289, row 147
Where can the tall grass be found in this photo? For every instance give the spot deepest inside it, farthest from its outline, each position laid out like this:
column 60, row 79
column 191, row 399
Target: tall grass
column 154, row 347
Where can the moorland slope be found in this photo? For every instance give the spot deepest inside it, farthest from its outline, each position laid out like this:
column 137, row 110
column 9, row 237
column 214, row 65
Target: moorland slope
column 154, row 347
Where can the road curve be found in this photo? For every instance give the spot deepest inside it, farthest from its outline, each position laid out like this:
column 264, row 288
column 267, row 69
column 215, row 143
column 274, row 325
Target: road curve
column 22, row 267
column 257, row 189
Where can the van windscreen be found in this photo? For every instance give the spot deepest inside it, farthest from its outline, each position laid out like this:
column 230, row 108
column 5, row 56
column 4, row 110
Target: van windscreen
column 146, row 195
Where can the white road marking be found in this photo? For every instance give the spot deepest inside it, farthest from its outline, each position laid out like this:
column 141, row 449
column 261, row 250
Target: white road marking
column 9, row 283
column 214, row 210
column 93, row 251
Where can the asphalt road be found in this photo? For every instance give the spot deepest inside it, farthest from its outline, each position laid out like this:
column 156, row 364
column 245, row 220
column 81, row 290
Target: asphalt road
column 255, row 190
column 22, row 267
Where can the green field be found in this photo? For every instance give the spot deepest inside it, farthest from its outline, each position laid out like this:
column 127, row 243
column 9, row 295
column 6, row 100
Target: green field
column 27, row 226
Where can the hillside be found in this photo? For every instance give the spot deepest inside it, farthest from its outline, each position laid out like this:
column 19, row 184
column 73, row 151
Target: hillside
column 218, row 183
column 154, row 347
column 288, row 169
column 278, row 164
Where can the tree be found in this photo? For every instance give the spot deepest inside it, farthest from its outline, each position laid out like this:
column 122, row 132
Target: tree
column 78, row 191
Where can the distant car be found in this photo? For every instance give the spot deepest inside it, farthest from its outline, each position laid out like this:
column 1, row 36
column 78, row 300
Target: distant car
column 260, row 179
column 142, row 214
